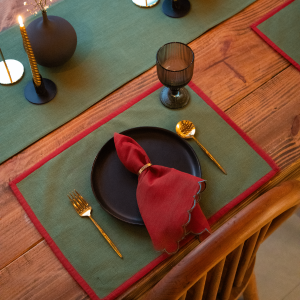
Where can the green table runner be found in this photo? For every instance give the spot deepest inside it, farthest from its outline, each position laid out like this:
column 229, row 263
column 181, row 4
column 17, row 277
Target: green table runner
column 117, row 41
column 280, row 29
column 43, row 190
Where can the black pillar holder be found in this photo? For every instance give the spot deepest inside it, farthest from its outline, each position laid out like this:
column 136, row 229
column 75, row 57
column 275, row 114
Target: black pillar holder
column 176, row 9
column 40, row 94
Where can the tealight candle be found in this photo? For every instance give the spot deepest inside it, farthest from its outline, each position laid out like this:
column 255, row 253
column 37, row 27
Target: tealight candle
column 11, row 70
column 145, row 3
column 33, row 65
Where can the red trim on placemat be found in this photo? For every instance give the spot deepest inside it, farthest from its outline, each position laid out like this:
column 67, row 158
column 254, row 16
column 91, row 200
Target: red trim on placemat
column 81, row 135
column 253, row 145
column 68, row 266
column 269, row 41
column 118, row 291
column 43, row 231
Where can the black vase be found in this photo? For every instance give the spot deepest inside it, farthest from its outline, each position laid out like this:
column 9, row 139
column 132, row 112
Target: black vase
column 53, row 40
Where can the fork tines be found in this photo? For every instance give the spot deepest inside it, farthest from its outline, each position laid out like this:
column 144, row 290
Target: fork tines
column 77, row 200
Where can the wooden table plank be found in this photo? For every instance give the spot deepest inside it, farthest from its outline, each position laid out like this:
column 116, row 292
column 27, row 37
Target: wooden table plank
column 231, row 60
column 38, row 275
column 270, row 116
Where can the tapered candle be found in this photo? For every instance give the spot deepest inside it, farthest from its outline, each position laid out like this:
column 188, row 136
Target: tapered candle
column 33, row 65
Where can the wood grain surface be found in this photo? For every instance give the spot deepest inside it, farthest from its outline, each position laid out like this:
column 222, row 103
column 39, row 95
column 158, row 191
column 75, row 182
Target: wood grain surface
column 246, row 78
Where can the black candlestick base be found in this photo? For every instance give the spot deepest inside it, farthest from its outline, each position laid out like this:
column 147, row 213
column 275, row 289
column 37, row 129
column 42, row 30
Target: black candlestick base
column 42, row 94
column 176, row 9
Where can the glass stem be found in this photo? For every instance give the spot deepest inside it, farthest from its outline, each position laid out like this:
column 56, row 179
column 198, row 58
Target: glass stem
column 174, row 91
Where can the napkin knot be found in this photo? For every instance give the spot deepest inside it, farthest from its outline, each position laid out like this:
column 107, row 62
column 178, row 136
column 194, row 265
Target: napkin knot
column 168, row 199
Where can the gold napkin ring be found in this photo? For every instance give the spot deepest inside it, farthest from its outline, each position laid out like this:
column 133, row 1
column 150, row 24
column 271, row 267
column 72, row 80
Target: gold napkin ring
column 144, row 168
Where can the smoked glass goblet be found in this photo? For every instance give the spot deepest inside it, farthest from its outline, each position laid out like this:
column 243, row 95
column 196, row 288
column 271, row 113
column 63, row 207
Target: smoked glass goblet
column 175, row 67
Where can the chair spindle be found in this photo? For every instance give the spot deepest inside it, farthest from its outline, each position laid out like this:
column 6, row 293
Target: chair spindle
column 245, row 259
column 182, row 297
column 280, row 219
column 215, row 280
column 251, row 292
column 197, row 289
column 231, row 271
column 260, row 239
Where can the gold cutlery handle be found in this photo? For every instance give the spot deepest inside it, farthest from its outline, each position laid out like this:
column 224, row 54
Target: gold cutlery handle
column 106, row 237
column 209, row 155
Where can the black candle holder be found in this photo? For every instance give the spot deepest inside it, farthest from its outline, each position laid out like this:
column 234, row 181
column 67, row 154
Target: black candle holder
column 176, row 8
column 40, row 94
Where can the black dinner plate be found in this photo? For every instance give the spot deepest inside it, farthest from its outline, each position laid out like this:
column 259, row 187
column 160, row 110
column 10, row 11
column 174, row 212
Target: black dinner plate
column 115, row 187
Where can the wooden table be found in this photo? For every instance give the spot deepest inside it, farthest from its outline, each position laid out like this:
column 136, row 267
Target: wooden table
column 252, row 83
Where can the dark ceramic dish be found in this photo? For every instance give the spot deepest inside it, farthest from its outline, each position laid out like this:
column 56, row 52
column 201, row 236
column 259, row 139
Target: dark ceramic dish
column 115, row 187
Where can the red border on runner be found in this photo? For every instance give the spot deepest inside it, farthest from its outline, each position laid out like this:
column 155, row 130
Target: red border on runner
column 122, row 288
column 269, row 41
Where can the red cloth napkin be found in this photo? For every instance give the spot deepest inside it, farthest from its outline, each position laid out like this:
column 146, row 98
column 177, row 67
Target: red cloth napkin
column 167, row 198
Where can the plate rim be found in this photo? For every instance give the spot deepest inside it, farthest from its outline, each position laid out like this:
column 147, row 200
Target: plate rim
column 124, row 133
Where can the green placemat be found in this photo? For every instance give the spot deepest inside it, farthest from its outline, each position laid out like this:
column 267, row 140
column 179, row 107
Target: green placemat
column 280, row 29
column 117, row 41
column 43, row 190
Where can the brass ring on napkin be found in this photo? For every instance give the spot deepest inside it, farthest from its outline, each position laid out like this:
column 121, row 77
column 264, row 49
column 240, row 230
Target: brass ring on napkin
column 144, row 168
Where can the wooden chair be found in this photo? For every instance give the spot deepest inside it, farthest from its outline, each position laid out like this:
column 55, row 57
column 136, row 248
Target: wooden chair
column 221, row 267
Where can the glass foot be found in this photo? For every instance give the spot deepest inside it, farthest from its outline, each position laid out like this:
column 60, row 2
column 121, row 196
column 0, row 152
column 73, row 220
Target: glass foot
column 174, row 100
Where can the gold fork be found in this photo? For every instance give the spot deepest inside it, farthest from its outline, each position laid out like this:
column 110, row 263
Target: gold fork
column 85, row 210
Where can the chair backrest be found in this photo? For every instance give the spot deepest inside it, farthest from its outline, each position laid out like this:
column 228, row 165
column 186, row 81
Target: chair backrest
column 221, row 267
